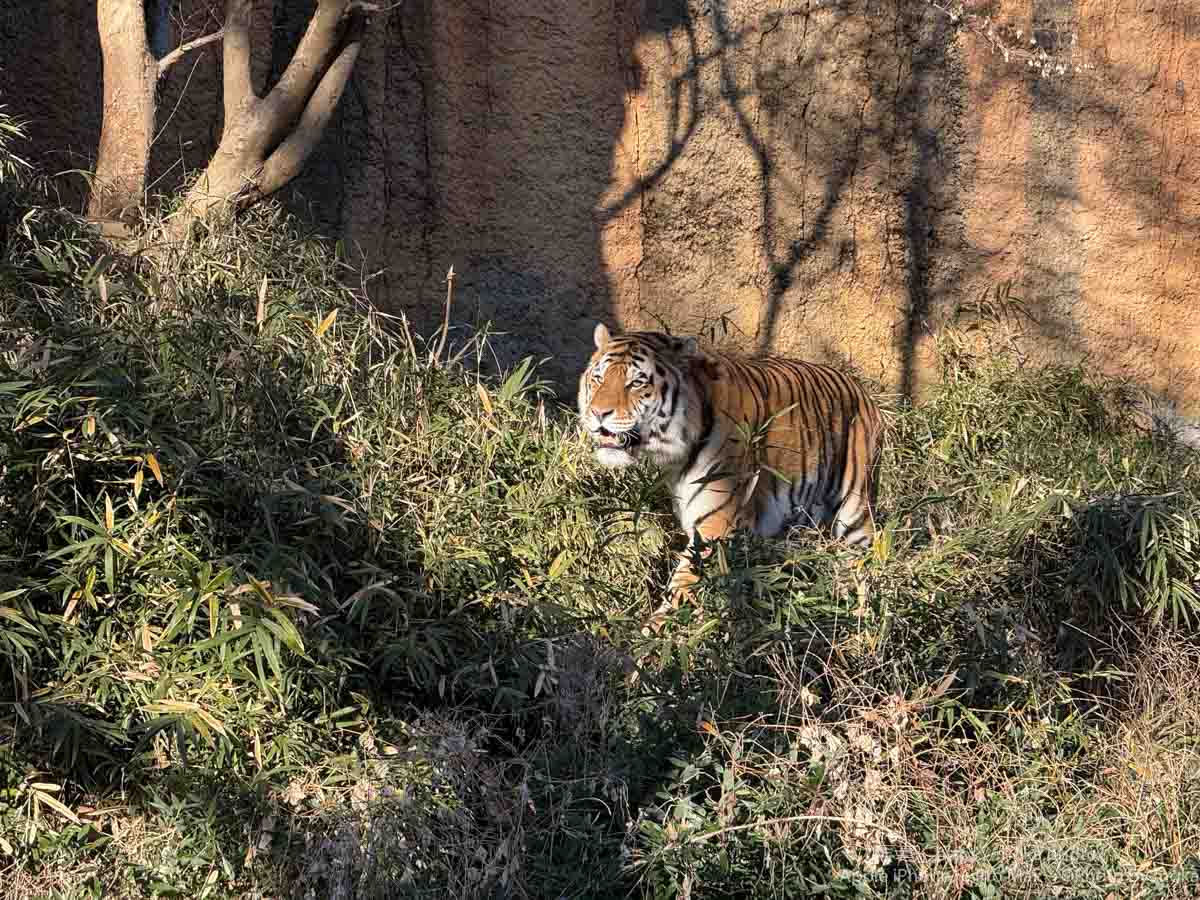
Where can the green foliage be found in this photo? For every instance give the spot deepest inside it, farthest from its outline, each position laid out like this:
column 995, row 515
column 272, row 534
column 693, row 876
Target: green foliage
column 13, row 169
column 291, row 607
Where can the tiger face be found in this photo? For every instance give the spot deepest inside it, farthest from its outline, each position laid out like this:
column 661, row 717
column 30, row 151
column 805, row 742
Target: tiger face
column 633, row 398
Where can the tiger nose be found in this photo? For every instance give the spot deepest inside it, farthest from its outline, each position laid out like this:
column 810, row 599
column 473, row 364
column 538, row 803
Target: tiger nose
column 602, row 414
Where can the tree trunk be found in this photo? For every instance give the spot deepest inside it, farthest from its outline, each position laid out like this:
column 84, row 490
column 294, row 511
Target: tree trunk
column 130, row 76
column 267, row 140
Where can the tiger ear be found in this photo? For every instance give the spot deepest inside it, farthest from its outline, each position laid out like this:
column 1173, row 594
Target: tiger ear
column 687, row 347
column 601, row 336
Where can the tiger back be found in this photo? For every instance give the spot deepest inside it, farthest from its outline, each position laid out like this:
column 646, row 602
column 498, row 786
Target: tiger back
column 760, row 444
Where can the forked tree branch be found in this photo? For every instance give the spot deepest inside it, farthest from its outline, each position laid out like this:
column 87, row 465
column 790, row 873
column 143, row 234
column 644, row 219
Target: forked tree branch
column 290, row 156
column 289, row 96
column 267, row 141
column 183, row 49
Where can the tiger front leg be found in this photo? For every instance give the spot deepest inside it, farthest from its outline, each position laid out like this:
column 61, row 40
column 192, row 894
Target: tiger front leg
column 679, row 589
column 712, row 514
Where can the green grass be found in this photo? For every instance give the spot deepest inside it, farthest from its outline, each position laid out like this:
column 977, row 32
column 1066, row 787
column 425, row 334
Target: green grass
column 291, row 610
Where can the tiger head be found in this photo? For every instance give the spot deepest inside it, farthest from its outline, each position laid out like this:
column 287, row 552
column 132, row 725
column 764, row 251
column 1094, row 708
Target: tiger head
column 636, row 395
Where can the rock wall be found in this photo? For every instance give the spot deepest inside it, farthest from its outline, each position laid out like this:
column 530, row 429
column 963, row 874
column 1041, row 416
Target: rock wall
column 832, row 178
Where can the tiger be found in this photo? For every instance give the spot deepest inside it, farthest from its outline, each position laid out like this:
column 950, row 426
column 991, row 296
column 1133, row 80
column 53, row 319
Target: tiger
column 749, row 443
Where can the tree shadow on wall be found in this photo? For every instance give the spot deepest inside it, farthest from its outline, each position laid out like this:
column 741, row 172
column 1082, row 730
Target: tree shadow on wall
column 826, row 107
column 814, row 152
column 851, row 138
column 818, row 150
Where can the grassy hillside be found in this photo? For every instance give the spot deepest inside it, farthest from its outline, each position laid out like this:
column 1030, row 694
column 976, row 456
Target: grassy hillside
column 292, row 609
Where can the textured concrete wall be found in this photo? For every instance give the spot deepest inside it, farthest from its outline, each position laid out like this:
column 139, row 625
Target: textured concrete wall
column 50, row 76
column 835, row 179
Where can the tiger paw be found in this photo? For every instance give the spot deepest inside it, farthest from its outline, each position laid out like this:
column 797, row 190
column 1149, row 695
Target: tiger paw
column 657, row 620
column 654, row 625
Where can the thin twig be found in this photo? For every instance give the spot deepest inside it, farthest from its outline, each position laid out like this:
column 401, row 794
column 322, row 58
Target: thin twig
column 260, row 314
column 437, row 353
column 183, row 49
column 175, row 109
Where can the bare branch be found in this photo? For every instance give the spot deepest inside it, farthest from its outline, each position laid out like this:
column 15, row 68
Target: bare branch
column 183, row 49
column 239, row 90
column 289, row 157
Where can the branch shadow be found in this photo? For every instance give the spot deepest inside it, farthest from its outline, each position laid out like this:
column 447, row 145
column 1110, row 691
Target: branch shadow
column 782, row 119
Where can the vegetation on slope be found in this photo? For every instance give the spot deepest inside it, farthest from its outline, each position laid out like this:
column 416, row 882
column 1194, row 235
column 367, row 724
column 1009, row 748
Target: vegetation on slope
column 292, row 608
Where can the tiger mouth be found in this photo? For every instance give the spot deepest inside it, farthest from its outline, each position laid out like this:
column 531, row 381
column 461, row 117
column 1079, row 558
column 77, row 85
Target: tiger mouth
column 622, row 440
